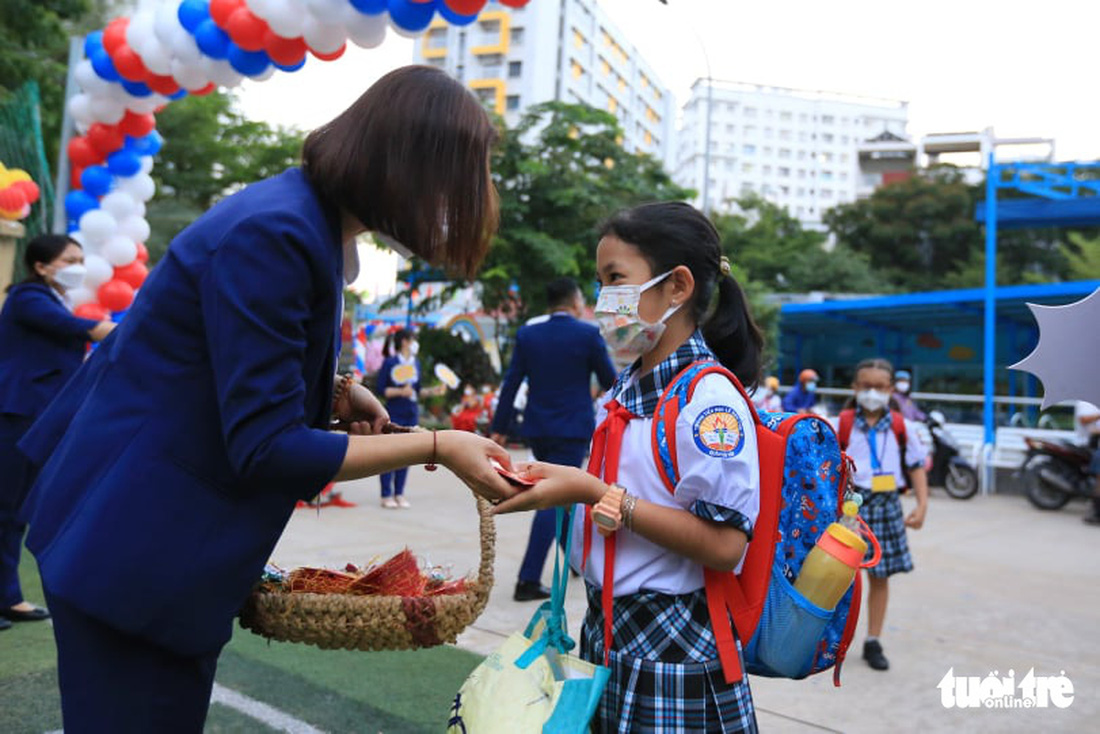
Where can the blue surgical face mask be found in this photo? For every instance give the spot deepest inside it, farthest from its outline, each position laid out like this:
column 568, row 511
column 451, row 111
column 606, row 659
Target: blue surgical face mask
column 811, row 386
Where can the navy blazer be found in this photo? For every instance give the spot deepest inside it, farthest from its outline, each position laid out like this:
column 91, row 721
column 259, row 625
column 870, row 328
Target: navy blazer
column 174, row 460
column 558, row 357
column 41, row 345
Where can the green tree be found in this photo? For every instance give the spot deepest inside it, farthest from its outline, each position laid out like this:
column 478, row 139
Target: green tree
column 210, row 150
column 774, row 249
column 1083, row 256
column 560, row 172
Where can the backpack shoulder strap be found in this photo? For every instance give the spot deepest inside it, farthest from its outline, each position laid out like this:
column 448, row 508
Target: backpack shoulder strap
column 844, row 427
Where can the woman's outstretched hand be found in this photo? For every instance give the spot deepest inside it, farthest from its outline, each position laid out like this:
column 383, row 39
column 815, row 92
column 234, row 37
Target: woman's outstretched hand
column 555, row 486
column 467, row 456
column 360, row 413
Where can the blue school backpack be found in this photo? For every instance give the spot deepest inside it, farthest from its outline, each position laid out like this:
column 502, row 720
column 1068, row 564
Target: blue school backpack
column 803, row 477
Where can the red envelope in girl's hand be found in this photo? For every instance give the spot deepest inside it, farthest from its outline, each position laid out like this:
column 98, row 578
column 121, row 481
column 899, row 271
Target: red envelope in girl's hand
column 511, row 476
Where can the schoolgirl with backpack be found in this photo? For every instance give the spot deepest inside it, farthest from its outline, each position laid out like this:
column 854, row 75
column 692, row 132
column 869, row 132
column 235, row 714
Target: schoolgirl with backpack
column 684, row 476
column 888, row 460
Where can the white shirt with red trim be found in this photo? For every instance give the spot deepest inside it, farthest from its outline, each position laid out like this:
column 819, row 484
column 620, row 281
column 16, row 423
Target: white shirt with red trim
column 718, row 464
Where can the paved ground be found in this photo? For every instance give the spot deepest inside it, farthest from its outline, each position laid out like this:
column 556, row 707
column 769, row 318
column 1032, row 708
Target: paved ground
column 999, row 586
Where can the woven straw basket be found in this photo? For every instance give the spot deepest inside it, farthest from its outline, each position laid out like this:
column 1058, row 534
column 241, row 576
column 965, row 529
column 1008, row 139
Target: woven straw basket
column 345, row 621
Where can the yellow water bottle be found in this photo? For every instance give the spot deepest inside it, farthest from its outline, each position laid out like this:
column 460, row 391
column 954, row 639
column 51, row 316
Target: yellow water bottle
column 831, row 565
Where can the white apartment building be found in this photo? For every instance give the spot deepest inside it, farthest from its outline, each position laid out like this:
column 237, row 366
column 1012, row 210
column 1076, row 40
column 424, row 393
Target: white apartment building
column 567, row 50
column 796, row 148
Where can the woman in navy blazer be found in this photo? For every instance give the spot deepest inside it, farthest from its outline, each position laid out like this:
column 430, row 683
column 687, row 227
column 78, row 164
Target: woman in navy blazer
column 175, row 460
column 41, row 345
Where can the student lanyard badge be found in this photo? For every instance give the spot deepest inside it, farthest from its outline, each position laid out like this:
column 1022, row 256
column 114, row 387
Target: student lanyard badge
column 881, row 481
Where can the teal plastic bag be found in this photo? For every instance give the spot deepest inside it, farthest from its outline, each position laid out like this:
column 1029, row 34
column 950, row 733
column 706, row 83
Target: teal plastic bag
column 532, row 683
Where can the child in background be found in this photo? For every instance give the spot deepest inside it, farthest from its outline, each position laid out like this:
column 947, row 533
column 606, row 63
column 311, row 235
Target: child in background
column 879, row 476
column 661, row 270
column 766, row 397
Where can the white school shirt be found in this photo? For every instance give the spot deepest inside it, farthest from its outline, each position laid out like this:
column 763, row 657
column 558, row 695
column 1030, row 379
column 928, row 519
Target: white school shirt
column 859, row 451
column 731, row 480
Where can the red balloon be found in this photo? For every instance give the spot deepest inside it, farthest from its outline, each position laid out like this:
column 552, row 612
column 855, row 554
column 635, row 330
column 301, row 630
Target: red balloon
column 222, row 10
column 105, row 138
column 12, row 199
column 116, row 295
column 165, row 84
column 143, row 253
column 332, row 56
column 285, row 51
column 204, row 91
column 465, row 7
column 137, row 125
column 514, row 3
column 246, row 30
column 134, row 274
column 114, row 35
column 81, row 153
column 92, row 311
column 75, row 184
column 30, row 189
column 129, row 64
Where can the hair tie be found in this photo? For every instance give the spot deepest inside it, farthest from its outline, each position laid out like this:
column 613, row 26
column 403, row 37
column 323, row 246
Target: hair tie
column 724, row 265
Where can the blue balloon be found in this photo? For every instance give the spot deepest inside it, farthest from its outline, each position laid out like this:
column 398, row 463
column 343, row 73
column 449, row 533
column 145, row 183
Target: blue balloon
column 410, row 16
column 454, row 18
column 96, row 180
column 178, row 95
column 290, row 67
column 118, row 316
column 369, row 7
column 79, row 202
column 93, row 42
column 103, row 66
column 249, row 63
column 123, row 163
column 212, row 41
column 147, row 145
column 136, row 89
column 193, row 12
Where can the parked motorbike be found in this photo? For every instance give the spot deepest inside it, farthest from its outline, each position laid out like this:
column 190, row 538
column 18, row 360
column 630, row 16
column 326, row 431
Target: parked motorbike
column 1055, row 472
column 949, row 469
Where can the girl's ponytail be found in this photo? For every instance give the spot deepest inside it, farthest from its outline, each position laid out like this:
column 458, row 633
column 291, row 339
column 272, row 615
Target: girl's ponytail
column 732, row 334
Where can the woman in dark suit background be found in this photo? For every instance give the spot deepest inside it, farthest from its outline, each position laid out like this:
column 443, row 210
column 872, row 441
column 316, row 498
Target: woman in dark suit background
column 218, row 390
column 41, row 345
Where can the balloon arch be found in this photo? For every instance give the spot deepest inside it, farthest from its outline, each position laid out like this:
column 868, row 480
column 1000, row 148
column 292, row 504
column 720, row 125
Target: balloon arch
column 171, row 48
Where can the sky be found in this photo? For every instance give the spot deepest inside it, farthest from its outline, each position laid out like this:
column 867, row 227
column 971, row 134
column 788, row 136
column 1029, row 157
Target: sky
column 1026, row 69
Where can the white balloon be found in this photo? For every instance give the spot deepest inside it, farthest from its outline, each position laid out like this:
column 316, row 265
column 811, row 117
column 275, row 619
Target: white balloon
column 79, row 237
column 329, row 11
column 145, row 105
column 221, row 73
column 119, row 204
column 88, row 80
column 286, row 17
column 79, row 296
column 119, row 251
column 322, row 37
column 97, row 271
column 139, row 30
column 97, row 226
column 188, row 75
column 165, row 21
column 367, row 31
column 264, row 75
column 140, row 186
column 146, row 164
column 80, row 107
column 135, row 228
column 157, row 57
column 184, row 47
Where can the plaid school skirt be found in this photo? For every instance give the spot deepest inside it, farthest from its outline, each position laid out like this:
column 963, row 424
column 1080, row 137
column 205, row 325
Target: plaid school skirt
column 665, row 673
column 884, row 515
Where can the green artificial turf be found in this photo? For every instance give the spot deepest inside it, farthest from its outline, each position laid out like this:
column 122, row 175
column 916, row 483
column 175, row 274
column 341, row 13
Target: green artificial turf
column 332, row 690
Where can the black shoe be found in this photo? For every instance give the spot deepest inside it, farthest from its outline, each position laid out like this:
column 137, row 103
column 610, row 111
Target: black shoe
column 530, row 591
column 1091, row 519
column 34, row 615
column 4, row 623
column 872, row 653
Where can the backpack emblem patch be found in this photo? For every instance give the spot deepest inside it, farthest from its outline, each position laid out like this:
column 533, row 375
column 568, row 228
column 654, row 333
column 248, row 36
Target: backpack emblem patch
column 718, row 432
